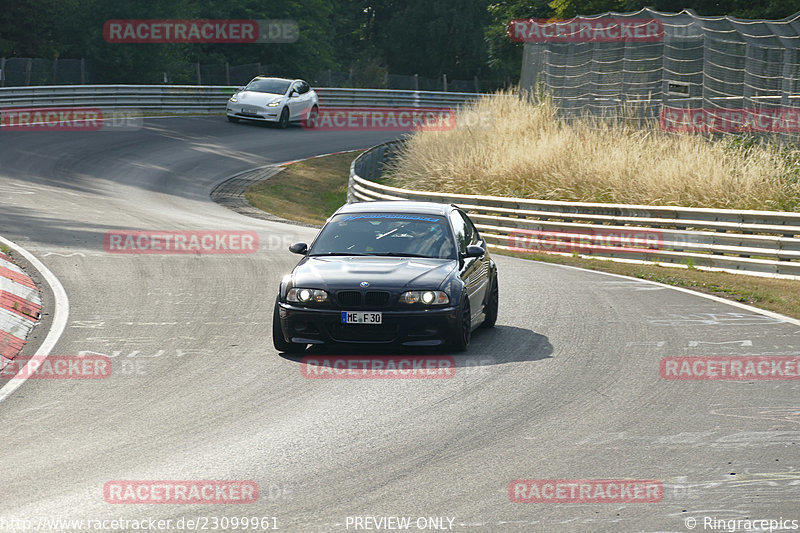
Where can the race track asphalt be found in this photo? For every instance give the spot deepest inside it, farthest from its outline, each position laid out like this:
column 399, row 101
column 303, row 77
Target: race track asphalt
column 567, row 386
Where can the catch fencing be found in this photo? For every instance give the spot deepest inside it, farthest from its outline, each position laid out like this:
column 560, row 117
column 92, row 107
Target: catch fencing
column 697, row 74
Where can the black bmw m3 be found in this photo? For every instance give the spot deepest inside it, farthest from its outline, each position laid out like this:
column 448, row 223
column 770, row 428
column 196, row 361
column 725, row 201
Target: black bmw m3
column 398, row 272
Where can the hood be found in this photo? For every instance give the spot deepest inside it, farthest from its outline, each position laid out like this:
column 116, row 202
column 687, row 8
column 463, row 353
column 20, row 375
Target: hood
column 382, row 273
column 257, row 98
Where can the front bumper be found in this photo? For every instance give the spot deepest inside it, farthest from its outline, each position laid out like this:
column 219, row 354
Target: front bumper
column 245, row 112
column 414, row 327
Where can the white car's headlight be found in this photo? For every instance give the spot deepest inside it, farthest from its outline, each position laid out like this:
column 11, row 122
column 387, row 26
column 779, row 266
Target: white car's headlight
column 425, row 297
column 233, row 98
column 273, row 104
column 305, row 296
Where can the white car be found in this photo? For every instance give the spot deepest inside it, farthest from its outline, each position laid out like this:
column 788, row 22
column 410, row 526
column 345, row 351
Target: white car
column 275, row 100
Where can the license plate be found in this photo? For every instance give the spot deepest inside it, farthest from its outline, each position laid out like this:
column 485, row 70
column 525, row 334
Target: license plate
column 361, row 317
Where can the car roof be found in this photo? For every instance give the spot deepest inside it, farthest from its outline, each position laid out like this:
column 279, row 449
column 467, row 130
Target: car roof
column 396, row 206
column 274, row 78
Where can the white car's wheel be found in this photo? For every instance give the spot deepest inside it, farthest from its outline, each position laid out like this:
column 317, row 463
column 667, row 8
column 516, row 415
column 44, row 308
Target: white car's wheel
column 283, row 123
column 313, row 117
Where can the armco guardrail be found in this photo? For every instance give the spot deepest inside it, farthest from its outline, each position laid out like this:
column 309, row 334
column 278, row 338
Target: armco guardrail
column 751, row 242
column 206, row 99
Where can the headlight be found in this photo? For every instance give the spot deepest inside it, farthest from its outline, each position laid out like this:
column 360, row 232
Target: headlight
column 426, row 297
column 273, row 104
column 305, row 296
column 233, row 98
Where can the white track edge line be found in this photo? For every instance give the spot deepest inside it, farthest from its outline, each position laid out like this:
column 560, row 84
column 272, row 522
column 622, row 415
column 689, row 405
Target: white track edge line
column 60, row 316
column 760, row 311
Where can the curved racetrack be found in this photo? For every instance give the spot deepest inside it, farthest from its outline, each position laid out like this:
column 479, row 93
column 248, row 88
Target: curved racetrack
column 567, row 386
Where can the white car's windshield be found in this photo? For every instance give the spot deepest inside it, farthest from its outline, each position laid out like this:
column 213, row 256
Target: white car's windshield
column 271, row 86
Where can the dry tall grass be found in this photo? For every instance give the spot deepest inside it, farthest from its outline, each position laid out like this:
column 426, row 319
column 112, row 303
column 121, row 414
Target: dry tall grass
column 511, row 147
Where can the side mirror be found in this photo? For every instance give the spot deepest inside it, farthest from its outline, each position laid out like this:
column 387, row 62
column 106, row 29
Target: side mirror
column 298, row 248
column 293, row 94
column 240, row 89
column 473, row 250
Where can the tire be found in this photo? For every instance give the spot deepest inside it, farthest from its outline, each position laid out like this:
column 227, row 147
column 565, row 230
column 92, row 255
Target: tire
column 232, row 119
column 283, row 123
column 313, row 116
column 459, row 342
column 277, row 336
column 492, row 305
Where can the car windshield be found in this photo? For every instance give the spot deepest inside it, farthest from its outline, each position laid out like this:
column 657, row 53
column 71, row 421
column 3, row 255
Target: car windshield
column 390, row 234
column 271, row 86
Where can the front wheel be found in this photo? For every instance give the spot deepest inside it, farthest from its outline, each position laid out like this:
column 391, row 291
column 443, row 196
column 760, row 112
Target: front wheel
column 313, row 117
column 283, row 123
column 463, row 331
column 278, row 340
column 490, row 311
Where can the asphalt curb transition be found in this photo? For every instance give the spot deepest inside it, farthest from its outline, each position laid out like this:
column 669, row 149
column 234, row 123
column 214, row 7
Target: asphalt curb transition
column 230, row 191
column 20, row 308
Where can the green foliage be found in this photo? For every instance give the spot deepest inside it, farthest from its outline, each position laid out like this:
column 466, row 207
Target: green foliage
column 460, row 38
column 572, row 8
column 367, row 72
column 428, row 38
column 504, row 55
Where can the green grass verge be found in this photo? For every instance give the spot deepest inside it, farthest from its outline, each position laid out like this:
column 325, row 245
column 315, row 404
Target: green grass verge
column 309, row 191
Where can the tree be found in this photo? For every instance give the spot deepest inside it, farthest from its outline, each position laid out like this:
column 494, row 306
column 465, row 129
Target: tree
column 504, row 55
column 429, row 38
